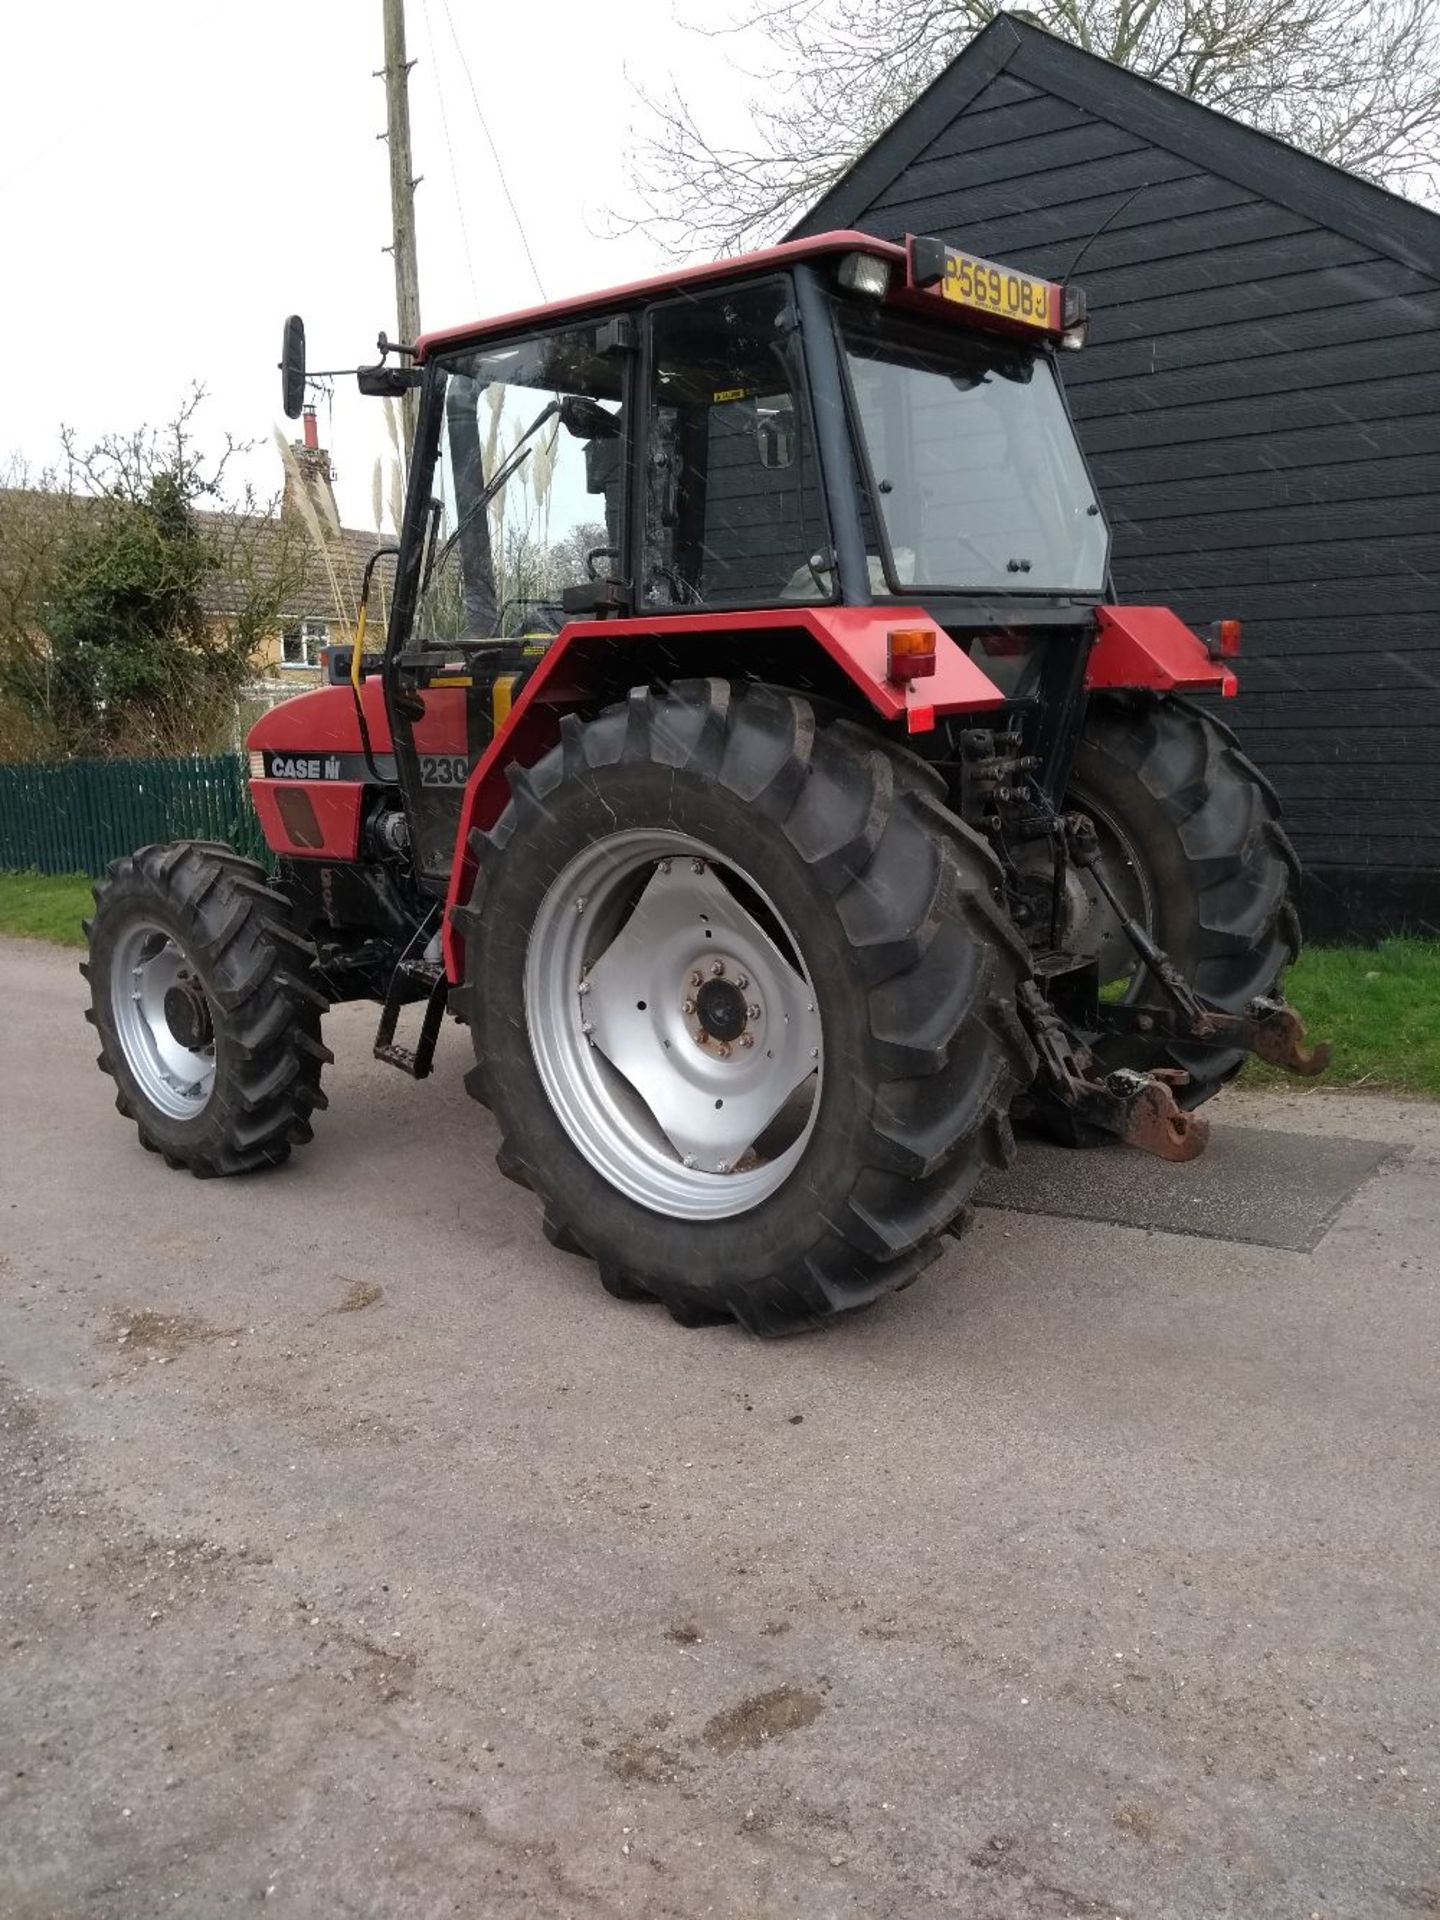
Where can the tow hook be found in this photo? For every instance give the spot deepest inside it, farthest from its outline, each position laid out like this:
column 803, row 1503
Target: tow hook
column 1141, row 1109
column 1138, row 1108
column 1279, row 1039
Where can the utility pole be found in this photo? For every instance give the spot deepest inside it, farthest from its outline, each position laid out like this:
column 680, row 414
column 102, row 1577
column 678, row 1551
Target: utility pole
column 396, row 73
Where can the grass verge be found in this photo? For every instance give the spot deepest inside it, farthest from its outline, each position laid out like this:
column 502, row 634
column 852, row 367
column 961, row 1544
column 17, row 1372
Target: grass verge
column 1378, row 1006
column 45, row 906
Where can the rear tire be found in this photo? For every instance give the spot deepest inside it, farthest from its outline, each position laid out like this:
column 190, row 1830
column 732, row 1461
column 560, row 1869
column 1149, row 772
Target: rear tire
column 889, row 901
column 203, row 996
column 1218, row 873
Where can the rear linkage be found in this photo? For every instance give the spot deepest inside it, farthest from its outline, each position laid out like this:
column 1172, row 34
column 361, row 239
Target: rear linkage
column 1139, row 1108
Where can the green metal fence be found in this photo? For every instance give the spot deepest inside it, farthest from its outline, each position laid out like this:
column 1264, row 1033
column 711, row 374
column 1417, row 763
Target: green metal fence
column 77, row 816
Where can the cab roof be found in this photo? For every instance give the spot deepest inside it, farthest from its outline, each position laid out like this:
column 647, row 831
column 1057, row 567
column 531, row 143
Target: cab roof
column 735, row 266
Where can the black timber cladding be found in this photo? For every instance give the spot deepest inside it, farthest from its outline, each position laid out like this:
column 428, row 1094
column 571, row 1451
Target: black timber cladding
column 1260, row 403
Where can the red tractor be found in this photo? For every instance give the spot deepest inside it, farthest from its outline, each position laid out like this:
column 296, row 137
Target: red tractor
column 757, row 768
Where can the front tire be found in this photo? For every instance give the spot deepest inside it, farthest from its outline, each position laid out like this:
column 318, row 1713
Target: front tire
column 708, row 836
column 209, row 1019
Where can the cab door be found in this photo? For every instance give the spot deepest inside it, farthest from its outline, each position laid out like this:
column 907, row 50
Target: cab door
column 523, row 496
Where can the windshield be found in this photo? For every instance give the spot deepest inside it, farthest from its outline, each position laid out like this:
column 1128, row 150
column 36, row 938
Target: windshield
column 974, row 465
column 529, row 478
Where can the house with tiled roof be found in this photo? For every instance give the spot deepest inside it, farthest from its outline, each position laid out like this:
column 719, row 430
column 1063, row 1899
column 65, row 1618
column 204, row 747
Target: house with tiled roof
column 303, row 563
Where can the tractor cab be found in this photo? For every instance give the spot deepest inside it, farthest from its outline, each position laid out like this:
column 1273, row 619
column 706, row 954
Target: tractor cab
column 835, row 423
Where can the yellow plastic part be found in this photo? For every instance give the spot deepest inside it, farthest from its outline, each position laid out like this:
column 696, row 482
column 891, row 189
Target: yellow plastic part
column 357, row 652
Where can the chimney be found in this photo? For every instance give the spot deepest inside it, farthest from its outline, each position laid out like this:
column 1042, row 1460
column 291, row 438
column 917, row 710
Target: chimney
column 313, row 463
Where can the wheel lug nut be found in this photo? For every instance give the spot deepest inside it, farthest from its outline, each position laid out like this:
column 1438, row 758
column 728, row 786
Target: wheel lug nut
column 696, row 978
column 747, row 1040
column 687, row 1006
column 697, row 866
column 752, row 1012
column 742, row 981
column 723, row 1051
column 717, row 967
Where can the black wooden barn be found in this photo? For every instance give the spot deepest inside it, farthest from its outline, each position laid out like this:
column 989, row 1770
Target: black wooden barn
column 1260, row 402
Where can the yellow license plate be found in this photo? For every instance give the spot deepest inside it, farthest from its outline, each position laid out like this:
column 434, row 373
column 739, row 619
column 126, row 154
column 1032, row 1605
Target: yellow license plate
column 1009, row 295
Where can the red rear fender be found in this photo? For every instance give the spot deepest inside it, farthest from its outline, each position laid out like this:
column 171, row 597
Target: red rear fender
column 855, row 638
column 1152, row 647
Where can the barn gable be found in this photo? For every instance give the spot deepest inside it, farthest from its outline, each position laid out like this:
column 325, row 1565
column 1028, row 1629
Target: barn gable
column 1260, row 402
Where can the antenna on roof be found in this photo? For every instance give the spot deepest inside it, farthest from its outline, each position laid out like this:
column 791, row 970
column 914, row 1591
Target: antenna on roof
column 1110, row 217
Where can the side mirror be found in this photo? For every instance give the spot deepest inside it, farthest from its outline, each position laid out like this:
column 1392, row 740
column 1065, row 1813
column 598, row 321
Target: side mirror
column 586, row 418
column 292, row 367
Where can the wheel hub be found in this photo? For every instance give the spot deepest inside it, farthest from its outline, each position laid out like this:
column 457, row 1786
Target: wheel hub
column 187, row 1014
column 720, row 1008
column 673, row 1024
column 163, row 1021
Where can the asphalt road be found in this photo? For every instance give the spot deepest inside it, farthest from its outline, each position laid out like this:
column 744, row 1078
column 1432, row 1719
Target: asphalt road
column 360, row 1556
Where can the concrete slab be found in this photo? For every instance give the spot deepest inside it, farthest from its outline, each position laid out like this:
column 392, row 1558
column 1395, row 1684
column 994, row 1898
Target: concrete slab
column 1252, row 1184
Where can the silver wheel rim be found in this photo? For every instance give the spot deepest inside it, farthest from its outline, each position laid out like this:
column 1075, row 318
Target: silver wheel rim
column 1090, row 924
column 175, row 1078
column 1126, row 873
column 646, row 951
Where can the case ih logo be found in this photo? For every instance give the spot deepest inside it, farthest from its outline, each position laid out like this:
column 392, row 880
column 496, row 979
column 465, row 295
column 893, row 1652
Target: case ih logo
column 287, row 766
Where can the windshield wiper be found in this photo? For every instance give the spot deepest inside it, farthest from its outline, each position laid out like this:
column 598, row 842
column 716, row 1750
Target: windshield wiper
column 509, row 466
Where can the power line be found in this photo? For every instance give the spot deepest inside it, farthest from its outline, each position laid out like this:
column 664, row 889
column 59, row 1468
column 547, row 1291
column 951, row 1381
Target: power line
column 494, row 153
column 450, row 152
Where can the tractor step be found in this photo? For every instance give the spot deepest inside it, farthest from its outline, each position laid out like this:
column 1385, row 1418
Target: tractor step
column 409, row 975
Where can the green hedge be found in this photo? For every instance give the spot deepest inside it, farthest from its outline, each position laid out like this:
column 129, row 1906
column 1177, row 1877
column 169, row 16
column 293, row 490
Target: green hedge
column 76, row 817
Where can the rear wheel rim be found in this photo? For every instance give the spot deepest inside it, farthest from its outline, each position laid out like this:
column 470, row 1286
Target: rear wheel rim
column 674, row 1025
column 1097, row 930
column 174, row 1073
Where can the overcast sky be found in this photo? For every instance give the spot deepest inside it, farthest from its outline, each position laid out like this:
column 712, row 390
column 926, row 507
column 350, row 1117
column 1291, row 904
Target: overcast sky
column 176, row 176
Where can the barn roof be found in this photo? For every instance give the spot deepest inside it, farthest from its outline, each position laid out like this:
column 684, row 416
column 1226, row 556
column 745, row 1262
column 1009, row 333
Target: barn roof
column 1259, row 162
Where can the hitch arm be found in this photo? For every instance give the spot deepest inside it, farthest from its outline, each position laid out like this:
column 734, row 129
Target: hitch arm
column 1084, row 846
column 1070, row 1093
column 1270, row 1028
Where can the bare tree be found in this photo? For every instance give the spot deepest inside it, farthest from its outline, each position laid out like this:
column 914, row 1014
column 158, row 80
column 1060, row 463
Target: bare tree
column 1356, row 82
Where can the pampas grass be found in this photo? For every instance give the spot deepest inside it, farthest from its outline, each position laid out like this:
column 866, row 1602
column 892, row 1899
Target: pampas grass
column 397, row 496
column 310, row 519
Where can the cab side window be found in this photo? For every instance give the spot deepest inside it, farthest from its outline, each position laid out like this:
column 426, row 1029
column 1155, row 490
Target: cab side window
column 733, row 512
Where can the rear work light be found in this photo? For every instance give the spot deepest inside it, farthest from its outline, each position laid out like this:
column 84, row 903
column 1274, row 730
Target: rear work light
column 1076, row 319
column 1222, row 639
column 910, row 653
column 865, row 273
